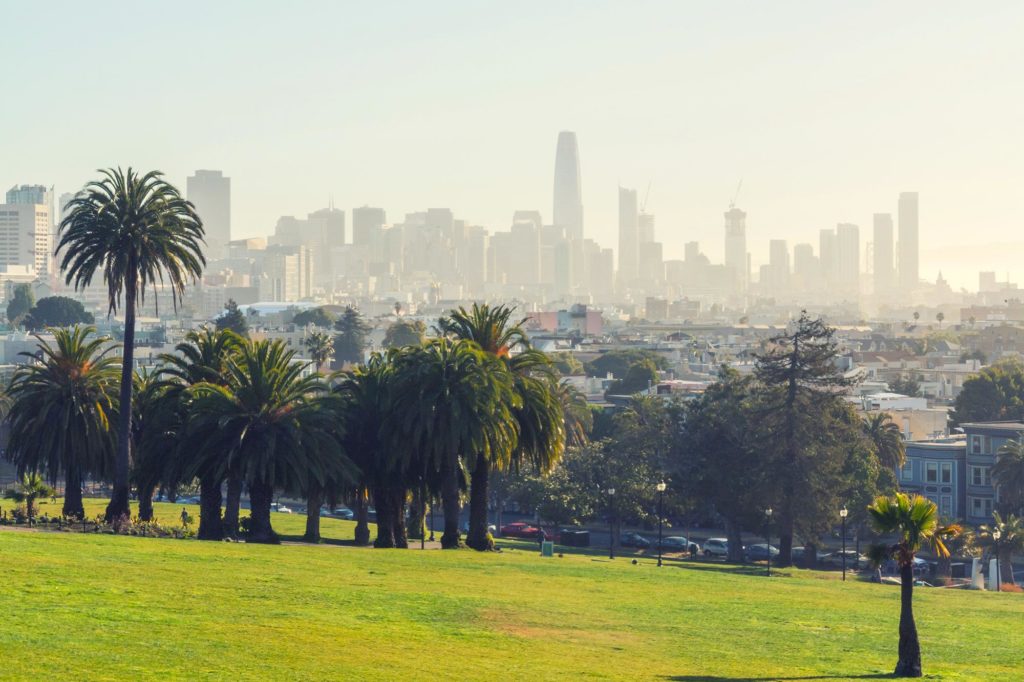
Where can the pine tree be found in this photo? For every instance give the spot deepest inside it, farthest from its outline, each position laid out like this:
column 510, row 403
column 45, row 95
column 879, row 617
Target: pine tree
column 233, row 319
column 350, row 342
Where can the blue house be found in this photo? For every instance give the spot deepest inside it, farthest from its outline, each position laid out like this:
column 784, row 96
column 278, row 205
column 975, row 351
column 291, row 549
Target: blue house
column 983, row 442
column 937, row 470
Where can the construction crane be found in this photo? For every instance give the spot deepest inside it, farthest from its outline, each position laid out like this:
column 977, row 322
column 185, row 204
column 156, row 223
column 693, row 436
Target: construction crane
column 643, row 206
column 736, row 195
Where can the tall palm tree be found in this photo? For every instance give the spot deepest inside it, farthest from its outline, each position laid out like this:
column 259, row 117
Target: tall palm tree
column 202, row 357
column 451, row 403
column 1010, row 542
column 270, row 422
column 29, row 489
column 1008, row 473
column 321, row 348
column 61, row 409
column 539, row 416
column 138, row 232
column 887, row 438
column 914, row 521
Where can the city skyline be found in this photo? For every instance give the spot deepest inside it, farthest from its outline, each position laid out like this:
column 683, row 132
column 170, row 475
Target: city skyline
column 819, row 135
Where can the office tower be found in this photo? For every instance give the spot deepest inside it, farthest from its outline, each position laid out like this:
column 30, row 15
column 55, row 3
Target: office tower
column 778, row 267
column 367, row 223
column 736, row 259
column 602, row 274
column 805, row 268
column 25, row 237
column 908, row 245
column 39, row 240
column 652, row 263
column 847, row 258
column 287, row 274
column 532, row 217
column 987, row 282
column 629, row 255
column 210, row 191
column 827, row 255
column 568, row 202
column 883, row 266
column 645, row 228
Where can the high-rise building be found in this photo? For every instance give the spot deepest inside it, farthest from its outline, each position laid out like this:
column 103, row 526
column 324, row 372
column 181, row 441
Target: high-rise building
column 568, row 198
column 908, row 244
column 645, row 228
column 736, row 259
column 39, row 241
column 883, row 265
column 210, row 191
column 287, row 274
column 778, row 270
column 25, row 237
column 847, row 259
column 629, row 242
column 367, row 224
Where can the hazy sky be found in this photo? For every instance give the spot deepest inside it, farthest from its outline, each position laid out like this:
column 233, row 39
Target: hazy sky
column 826, row 110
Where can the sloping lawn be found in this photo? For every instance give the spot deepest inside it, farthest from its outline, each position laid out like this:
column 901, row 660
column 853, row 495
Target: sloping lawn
column 87, row 606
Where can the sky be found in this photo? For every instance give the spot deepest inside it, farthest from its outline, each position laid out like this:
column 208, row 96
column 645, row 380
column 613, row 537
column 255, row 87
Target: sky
column 825, row 110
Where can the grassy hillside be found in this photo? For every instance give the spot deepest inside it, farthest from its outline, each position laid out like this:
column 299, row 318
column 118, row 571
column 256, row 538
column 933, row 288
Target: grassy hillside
column 84, row 606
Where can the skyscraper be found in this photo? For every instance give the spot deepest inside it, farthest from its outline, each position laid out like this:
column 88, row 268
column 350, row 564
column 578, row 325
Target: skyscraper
column 847, row 259
column 210, row 191
column 568, row 202
column 908, row 246
column 736, row 260
column 629, row 242
column 883, row 265
column 367, row 223
column 39, row 223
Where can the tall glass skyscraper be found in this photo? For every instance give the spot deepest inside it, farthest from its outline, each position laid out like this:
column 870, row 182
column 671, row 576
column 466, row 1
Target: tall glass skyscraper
column 568, row 208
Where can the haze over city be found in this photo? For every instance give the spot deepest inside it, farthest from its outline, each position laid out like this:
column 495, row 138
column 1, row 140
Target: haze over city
column 824, row 112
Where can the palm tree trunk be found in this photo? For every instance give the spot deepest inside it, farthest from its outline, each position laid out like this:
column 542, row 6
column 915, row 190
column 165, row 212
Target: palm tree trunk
column 146, row 502
column 210, row 526
column 450, row 504
column 362, row 535
column 397, row 500
column 1006, row 567
column 909, row 664
column 119, row 505
column 261, row 496
column 417, row 513
column 73, row 507
column 733, row 534
column 313, row 502
column 385, row 522
column 232, row 503
column 477, row 537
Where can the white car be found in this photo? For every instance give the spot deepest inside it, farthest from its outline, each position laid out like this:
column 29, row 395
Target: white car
column 716, row 547
column 280, row 508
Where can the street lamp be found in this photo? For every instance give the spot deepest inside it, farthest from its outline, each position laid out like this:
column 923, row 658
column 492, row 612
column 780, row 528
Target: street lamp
column 611, row 523
column 842, row 514
column 996, row 534
column 661, row 495
column 768, row 539
column 431, row 519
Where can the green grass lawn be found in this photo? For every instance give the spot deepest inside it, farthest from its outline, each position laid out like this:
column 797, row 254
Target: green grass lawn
column 85, row 606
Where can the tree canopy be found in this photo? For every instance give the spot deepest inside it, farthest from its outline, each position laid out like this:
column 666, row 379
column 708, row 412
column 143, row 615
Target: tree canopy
column 57, row 311
column 318, row 317
column 20, row 304
column 232, row 319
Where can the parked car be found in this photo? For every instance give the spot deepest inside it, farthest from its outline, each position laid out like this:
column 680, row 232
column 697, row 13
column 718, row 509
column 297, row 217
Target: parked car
column 760, row 552
column 343, row 513
column 799, row 555
column 634, row 539
column 280, row 508
column 854, row 561
column 716, row 547
column 520, row 530
column 677, row 543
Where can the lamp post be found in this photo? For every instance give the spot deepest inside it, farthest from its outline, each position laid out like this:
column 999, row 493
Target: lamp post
column 842, row 514
column 431, row 519
column 768, row 539
column 996, row 534
column 611, row 523
column 661, row 495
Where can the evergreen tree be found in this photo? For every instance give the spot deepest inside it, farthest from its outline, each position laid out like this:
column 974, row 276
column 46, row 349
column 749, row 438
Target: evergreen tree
column 233, row 319
column 20, row 304
column 56, row 311
column 350, row 341
column 405, row 333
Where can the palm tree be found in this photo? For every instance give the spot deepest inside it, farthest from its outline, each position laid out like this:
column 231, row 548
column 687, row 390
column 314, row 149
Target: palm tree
column 940, row 316
column 29, row 489
column 1008, row 474
column 271, row 423
column 577, row 417
column 1010, row 542
column 887, row 438
column 61, row 409
column 914, row 522
column 451, row 403
column 202, row 358
column 155, row 430
column 321, row 348
column 138, row 232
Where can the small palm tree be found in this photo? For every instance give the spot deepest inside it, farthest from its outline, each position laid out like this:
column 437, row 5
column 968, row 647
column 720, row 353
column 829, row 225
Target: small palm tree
column 29, row 489
column 138, row 232
column 321, row 348
column 914, row 522
column 61, row 408
column 1008, row 473
column 1010, row 542
column 887, row 438
column 940, row 316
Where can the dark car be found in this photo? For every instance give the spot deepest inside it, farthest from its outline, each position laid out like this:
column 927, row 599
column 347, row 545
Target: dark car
column 760, row 552
column 633, row 539
column 677, row 543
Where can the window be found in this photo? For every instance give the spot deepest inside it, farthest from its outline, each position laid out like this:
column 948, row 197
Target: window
column 946, row 505
column 981, row 507
column 907, row 472
column 979, row 476
column 975, row 445
column 931, row 472
column 946, row 471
